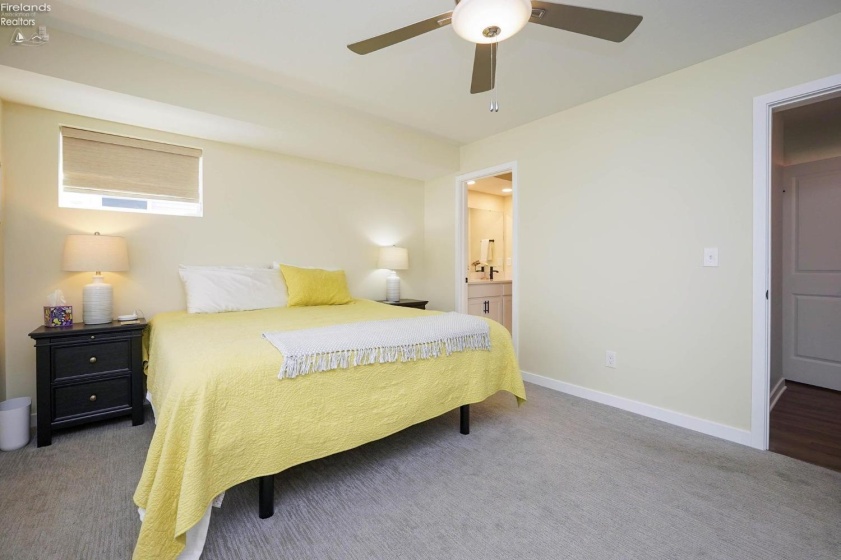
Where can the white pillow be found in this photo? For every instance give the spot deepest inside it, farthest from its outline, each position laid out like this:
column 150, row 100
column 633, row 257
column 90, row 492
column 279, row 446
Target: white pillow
column 216, row 289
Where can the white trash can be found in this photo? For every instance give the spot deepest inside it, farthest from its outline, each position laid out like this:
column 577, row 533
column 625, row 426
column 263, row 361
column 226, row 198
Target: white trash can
column 14, row 423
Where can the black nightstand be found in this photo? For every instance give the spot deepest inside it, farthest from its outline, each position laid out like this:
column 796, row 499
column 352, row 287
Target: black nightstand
column 416, row 303
column 86, row 373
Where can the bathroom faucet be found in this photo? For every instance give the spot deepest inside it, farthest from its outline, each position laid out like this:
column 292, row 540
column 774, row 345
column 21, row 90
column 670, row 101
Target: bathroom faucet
column 492, row 272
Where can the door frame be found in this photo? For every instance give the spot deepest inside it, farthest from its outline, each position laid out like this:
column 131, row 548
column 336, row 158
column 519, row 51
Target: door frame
column 764, row 108
column 461, row 251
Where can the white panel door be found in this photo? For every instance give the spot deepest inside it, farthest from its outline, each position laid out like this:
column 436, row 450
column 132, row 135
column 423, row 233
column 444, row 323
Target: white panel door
column 812, row 274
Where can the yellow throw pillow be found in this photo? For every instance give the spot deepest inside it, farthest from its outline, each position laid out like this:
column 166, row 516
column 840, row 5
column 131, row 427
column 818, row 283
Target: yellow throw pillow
column 313, row 286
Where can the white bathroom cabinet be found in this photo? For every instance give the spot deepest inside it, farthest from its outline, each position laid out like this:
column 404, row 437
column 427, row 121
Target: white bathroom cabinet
column 491, row 299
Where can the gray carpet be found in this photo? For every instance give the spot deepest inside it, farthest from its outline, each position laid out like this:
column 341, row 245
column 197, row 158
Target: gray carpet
column 557, row 478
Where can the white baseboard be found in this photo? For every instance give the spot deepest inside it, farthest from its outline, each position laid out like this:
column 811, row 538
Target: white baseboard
column 777, row 392
column 670, row 416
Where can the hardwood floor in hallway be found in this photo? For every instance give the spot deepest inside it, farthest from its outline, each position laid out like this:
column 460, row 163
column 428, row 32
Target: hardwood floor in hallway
column 806, row 425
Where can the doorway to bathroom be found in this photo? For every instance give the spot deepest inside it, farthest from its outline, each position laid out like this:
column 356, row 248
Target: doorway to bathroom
column 486, row 245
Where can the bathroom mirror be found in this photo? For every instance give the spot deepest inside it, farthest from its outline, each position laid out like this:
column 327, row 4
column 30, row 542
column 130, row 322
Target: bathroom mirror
column 486, row 224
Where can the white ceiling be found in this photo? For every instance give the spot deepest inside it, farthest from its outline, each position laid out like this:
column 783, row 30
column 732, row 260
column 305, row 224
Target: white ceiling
column 423, row 83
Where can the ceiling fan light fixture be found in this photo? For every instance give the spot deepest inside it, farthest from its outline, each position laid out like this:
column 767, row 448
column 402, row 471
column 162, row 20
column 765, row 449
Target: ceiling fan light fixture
column 472, row 18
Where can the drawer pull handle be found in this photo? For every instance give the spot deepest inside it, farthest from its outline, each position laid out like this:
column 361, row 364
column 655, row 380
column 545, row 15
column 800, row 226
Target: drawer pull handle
column 92, row 360
column 93, row 337
column 92, row 398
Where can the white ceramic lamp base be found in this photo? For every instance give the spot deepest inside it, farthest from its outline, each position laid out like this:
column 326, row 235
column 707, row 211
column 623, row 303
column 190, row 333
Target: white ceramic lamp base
column 392, row 288
column 97, row 302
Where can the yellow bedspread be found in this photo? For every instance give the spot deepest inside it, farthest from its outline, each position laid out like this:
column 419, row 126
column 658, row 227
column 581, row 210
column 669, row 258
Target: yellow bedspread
column 224, row 417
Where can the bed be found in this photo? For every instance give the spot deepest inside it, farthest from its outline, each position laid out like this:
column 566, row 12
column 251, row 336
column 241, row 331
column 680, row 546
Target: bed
column 223, row 417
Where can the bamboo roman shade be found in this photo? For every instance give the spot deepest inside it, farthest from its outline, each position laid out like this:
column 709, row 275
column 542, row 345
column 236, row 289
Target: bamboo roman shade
column 109, row 165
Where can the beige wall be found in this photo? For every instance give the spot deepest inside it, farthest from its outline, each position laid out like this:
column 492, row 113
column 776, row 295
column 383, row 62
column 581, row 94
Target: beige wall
column 493, row 203
column 485, row 201
column 439, row 220
column 86, row 76
column 259, row 207
column 481, row 225
column 2, row 267
column 620, row 196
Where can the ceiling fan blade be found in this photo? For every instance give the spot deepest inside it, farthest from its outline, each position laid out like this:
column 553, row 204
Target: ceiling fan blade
column 613, row 26
column 484, row 68
column 402, row 34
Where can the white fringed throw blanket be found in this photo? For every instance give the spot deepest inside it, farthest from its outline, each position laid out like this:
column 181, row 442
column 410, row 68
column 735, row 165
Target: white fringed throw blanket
column 371, row 342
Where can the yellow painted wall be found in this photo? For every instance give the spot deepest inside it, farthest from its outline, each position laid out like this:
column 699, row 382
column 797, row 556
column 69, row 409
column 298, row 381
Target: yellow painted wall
column 503, row 247
column 80, row 71
column 485, row 201
column 259, row 207
column 439, row 219
column 617, row 199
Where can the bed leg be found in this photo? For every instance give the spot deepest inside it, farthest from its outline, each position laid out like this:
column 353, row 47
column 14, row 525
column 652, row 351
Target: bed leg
column 266, row 496
column 465, row 419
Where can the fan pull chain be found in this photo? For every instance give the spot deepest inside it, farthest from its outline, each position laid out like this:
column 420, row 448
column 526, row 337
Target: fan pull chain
column 494, row 106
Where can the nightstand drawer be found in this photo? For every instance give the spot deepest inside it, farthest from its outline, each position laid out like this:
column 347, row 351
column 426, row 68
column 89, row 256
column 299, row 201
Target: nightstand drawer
column 94, row 337
column 73, row 361
column 89, row 398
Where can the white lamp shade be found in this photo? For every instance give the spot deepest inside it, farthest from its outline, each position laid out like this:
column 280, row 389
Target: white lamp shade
column 472, row 17
column 95, row 253
column 393, row 258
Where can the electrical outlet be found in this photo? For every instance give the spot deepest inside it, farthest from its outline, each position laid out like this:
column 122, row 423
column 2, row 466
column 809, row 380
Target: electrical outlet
column 610, row 359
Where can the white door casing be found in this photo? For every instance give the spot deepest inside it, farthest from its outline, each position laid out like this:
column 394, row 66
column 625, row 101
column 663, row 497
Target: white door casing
column 764, row 107
column 811, row 263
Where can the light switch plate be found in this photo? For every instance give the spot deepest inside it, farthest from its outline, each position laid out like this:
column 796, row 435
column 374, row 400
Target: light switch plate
column 711, row 256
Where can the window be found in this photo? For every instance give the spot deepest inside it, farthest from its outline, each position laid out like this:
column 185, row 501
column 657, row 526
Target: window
column 108, row 172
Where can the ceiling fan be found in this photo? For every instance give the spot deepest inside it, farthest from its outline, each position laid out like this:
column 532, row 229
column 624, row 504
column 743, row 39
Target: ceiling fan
column 487, row 22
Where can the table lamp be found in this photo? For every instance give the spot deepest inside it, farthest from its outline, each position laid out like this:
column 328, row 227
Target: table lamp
column 96, row 253
column 393, row 258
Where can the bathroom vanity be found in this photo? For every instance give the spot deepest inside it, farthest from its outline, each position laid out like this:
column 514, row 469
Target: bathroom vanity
column 491, row 299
